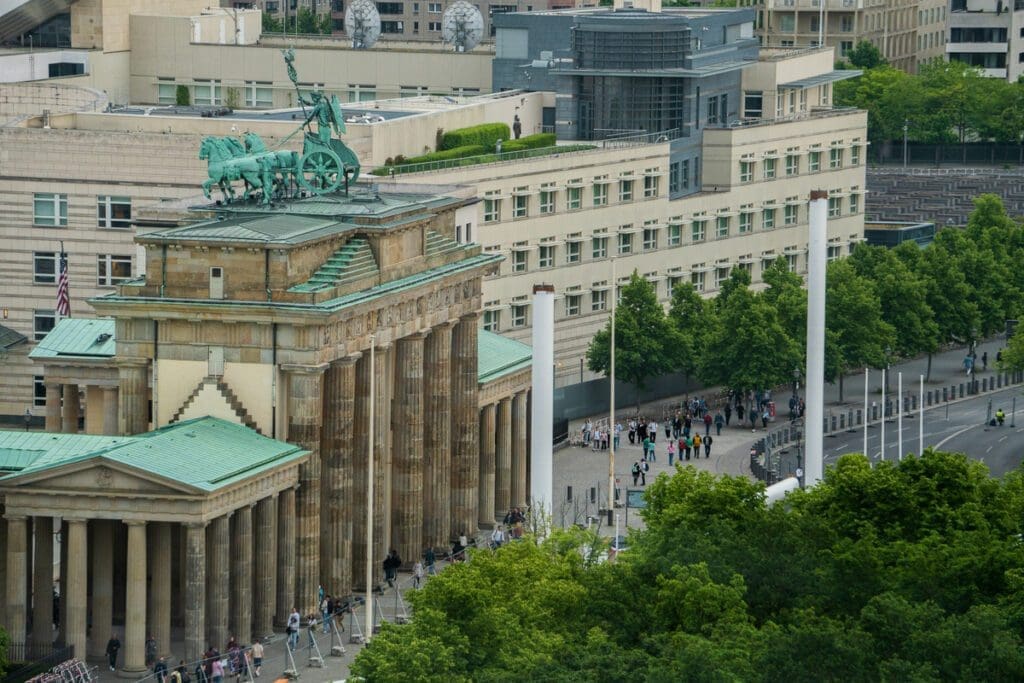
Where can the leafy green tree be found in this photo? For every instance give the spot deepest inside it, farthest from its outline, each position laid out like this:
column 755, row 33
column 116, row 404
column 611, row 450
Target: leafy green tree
column 690, row 316
column 271, row 24
column 182, row 98
column 865, row 55
column 644, row 340
column 786, row 293
column 311, row 23
column 1013, row 354
column 882, row 92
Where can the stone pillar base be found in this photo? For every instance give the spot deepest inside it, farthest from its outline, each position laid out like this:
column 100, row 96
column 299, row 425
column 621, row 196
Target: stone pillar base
column 134, row 674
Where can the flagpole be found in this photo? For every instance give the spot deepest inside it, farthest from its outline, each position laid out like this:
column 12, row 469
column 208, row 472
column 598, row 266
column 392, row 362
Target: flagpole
column 611, row 405
column 369, row 498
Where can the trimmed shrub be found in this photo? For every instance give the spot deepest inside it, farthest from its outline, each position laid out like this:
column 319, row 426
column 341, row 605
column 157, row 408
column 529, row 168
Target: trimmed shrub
column 529, row 142
column 455, row 153
column 485, row 135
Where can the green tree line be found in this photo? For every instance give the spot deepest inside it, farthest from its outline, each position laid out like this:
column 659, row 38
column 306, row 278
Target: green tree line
column 305, row 22
column 945, row 102
column 908, row 571
column 881, row 305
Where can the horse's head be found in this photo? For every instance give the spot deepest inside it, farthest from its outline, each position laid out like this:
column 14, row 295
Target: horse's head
column 209, row 148
column 254, row 143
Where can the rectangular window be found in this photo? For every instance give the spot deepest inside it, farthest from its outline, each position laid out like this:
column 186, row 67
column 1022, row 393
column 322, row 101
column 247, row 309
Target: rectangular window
column 519, row 316
column 650, row 238
column 846, row 24
column 746, row 171
column 492, row 210
column 835, row 157
column 259, row 95
column 434, row 7
column 626, row 243
column 207, row 92
column 520, row 259
column 546, row 256
column 769, row 168
column 492, row 320
column 675, row 235
column 698, row 232
column 434, row 26
column 813, row 162
column 791, row 214
column 721, row 275
column 390, row 8
column 791, row 262
column 625, row 190
column 39, row 391
column 114, row 212
column 853, row 204
column 573, row 198
column 363, row 92
column 547, row 201
column 722, row 226
column 50, row 210
column 675, row 177
column 572, row 305
column 697, row 279
column 650, row 186
column 42, row 323
column 712, row 110
column 44, row 267
column 600, row 247
column 746, row 222
column 792, row 164
column 520, row 205
column 834, row 252
column 392, row 26
column 835, row 207
column 600, row 194
column 572, row 252
column 855, row 154
column 599, row 300
column 768, row 219
column 112, row 269
column 673, row 282
column 753, row 105
column 684, row 179
column 166, row 91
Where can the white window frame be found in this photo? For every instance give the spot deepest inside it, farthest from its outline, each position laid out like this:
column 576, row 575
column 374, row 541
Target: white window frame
column 572, row 305
column 546, row 202
column 105, row 205
column 768, row 218
column 572, row 252
column 746, row 222
column 599, row 300
column 520, row 261
column 573, row 198
column 675, row 235
column 650, row 241
column 256, row 94
column 492, row 209
column 723, row 225
column 599, row 247
column 699, row 230
column 520, row 314
column 546, row 256
column 56, row 203
column 792, row 164
column 626, row 189
column 791, row 215
column 651, row 186
column 43, row 277
column 41, row 316
column 624, row 243
column 520, row 206
column 697, row 280
column 746, row 171
column 814, row 161
column 105, row 264
column 768, row 166
column 600, row 194
column 492, row 320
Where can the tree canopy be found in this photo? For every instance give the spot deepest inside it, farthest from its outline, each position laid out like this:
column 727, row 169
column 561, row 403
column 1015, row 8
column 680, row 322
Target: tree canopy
column 904, row 571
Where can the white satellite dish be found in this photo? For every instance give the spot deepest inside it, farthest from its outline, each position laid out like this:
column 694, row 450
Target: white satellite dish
column 362, row 23
column 462, row 26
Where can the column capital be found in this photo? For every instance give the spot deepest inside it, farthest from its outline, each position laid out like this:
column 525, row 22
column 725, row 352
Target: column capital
column 419, row 335
column 131, row 362
column 109, row 388
column 51, row 383
column 76, row 520
column 349, row 359
column 195, row 525
column 16, row 518
column 303, row 369
column 470, row 317
column 134, row 522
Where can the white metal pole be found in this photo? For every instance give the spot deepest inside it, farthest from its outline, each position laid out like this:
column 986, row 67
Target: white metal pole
column 616, row 531
column 817, row 261
column 611, row 401
column 541, row 480
column 920, row 419
column 866, row 415
column 821, row 24
column 883, row 414
column 899, row 415
column 369, row 497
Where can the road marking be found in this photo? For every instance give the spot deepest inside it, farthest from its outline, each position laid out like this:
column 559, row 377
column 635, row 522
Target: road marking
column 1002, row 439
column 952, row 436
column 989, row 449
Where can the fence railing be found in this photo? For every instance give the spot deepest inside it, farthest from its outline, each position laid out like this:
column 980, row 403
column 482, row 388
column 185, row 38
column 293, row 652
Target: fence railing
column 35, row 658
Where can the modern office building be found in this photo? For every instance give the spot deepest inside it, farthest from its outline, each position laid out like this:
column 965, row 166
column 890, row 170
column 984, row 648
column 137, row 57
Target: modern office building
column 988, row 34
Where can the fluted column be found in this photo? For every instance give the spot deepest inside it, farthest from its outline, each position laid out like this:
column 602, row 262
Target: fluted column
column 17, row 577
column 54, row 393
column 465, row 426
column 102, row 561
column 110, row 411
column 437, row 453
column 159, row 618
column 339, row 452
column 519, row 418
column 407, row 452
column 218, row 548
column 135, row 599
column 503, row 459
column 305, row 417
column 74, row 583
column 285, row 556
column 195, row 590
column 42, row 583
column 265, row 567
column 72, row 409
column 485, row 506
column 133, row 397
column 241, row 574
column 382, row 429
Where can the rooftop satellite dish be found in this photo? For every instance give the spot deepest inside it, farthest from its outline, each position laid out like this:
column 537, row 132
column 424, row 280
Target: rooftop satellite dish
column 362, row 23
column 462, row 26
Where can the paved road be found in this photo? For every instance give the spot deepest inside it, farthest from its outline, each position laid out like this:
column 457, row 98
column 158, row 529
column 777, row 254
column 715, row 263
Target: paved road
column 961, row 428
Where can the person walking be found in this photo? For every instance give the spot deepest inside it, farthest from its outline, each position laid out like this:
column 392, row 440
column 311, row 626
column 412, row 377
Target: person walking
column 652, row 430
column 150, row 650
column 984, row 367
column 696, row 446
column 325, row 613
column 417, row 574
column 707, row 446
column 113, row 645
column 646, row 446
column 728, row 413
column 707, row 423
column 391, row 564
column 311, row 630
column 644, row 469
column 671, row 451
column 216, row 671
column 257, row 658
column 497, row 536
column 719, row 423
column 429, row 560
column 635, row 471
column 292, row 629
column 160, row 670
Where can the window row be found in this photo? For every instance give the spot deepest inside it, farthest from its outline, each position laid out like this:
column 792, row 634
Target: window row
column 791, row 162
column 111, row 269
column 260, row 94
column 50, row 210
column 525, row 202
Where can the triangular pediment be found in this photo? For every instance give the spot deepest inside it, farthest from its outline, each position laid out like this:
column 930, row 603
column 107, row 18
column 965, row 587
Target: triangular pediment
column 98, row 475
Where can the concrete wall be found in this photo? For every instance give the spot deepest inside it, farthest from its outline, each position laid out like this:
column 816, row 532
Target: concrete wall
column 20, row 100
column 34, row 66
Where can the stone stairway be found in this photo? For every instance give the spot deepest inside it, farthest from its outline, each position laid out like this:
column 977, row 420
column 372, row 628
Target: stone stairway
column 354, row 261
column 229, row 397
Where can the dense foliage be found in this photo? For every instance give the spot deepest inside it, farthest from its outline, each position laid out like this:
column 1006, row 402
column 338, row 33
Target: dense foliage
column 881, row 305
column 305, row 22
column 485, row 135
column 905, row 572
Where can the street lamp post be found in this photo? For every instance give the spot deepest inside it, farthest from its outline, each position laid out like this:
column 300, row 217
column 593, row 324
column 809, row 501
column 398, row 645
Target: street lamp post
column 794, row 402
column 888, row 361
column 906, row 129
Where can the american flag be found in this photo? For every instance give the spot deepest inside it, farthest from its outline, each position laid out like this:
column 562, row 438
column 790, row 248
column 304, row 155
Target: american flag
column 63, row 300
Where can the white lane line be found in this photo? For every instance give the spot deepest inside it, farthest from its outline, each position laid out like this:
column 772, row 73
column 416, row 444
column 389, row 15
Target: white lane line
column 989, row 449
column 953, row 436
column 1002, row 439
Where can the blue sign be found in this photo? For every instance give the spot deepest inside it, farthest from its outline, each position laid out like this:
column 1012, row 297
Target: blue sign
column 635, row 498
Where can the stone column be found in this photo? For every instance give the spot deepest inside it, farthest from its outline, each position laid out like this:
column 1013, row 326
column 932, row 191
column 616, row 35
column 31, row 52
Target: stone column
column 305, row 416
column 159, row 614
column 338, row 454
column 110, row 413
column 17, row 577
column 437, row 453
column 503, row 459
column 135, row 600
column 465, row 425
column 218, row 549
column 382, row 424
column 133, row 396
column 485, row 507
column 407, row 452
column 42, row 584
column 74, row 584
column 265, row 586
column 102, row 586
column 72, row 409
column 3, row 567
column 241, row 574
column 54, row 393
column 519, row 418
column 285, row 555
column 195, row 590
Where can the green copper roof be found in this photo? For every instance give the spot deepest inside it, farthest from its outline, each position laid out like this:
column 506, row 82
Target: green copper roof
column 78, row 337
column 500, row 356
column 9, row 337
column 206, row 453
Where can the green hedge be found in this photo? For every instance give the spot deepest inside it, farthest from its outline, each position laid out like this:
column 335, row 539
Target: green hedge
column 486, row 134
column 454, row 153
column 529, row 142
